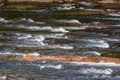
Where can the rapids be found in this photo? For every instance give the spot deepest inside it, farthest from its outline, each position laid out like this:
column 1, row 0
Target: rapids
column 82, row 29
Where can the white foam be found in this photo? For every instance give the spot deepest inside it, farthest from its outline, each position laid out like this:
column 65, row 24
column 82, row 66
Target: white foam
column 90, row 9
column 101, row 45
column 97, row 43
column 48, row 28
column 34, row 54
column 38, row 38
column 59, row 66
column 106, row 71
column 44, row 62
column 86, row 3
column 14, row 54
column 75, row 28
column 40, row 22
column 5, row 52
column 59, row 36
column 30, row 38
column 19, row 54
column 82, row 8
column 73, row 21
column 23, row 36
column 91, row 53
column 108, row 64
column 31, row 21
column 62, row 47
column 110, row 39
column 3, row 78
column 2, row 19
column 114, row 14
column 66, row 7
column 59, row 30
column 32, row 27
column 69, row 21
column 28, row 20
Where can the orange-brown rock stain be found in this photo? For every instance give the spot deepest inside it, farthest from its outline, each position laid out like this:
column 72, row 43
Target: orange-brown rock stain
column 72, row 58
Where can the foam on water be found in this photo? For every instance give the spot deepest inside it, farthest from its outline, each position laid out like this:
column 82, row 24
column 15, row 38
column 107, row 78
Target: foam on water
column 106, row 71
column 97, row 43
column 108, row 64
column 113, row 14
column 38, row 38
column 66, row 7
column 23, row 36
column 62, row 47
column 75, row 28
column 69, row 21
column 29, row 37
column 14, row 54
column 101, row 45
column 32, row 27
column 31, row 21
column 3, row 77
column 25, row 44
column 91, row 53
column 7, row 51
column 58, row 30
column 59, row 66
column 2, row 19
column 34, row 54
column 73, row 21
column 28, row 20
column 86, row 3
column 59, row 36
column 45, row 29
column 82, row 8
column 110, row 39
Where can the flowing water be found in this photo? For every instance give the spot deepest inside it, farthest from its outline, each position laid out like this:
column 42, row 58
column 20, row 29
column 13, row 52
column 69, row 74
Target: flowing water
column 57, row 30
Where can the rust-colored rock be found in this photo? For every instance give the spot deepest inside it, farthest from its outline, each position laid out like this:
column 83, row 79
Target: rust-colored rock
column 30, row 58
column 72, row 58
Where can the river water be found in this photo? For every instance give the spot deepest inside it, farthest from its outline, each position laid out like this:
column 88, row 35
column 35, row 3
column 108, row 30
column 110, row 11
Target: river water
column 44, row 32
